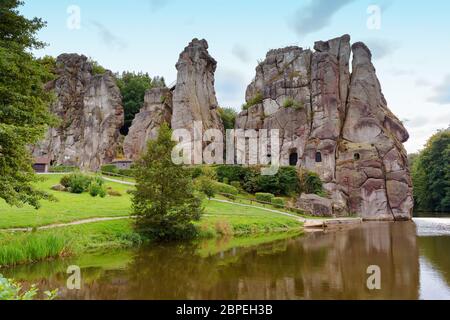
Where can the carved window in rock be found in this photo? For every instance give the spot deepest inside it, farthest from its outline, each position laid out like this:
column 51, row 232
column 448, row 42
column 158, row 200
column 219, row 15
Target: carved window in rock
column 318, row 157
column 357, row 156
column 293, row 159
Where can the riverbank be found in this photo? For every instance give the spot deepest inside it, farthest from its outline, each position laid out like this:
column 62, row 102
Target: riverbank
column 77, row 224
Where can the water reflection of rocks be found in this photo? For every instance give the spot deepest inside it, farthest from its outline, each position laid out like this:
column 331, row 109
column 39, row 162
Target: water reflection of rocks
column 316, row 266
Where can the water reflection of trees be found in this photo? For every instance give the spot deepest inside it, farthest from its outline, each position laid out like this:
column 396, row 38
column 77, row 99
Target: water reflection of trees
column 436, row 249
column 316, row 266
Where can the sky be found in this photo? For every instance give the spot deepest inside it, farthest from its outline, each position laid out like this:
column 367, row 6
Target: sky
column 410, row 41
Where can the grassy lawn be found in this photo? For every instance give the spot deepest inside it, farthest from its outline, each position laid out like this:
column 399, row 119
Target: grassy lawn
column 69, row 207
column 17, row 248
column 243, row 220
column 220, row 219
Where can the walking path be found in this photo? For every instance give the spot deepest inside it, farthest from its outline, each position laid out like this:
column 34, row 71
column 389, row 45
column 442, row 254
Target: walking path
column 68, row 224
column 308, row 223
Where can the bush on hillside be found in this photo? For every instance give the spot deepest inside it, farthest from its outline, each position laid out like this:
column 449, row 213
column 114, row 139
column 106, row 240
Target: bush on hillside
column 264, row 197
column 278, row 202
column 225, row 188
column 310, row 183
column 206, row 186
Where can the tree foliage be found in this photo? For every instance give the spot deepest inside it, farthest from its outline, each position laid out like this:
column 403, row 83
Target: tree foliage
column 431, row 174
column 164, row 201
column 228, row 116
column 133, row 87
column 24, row 104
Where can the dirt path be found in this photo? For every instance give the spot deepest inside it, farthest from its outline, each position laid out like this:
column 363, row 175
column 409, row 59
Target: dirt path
column 308, row 222
column 68, row 224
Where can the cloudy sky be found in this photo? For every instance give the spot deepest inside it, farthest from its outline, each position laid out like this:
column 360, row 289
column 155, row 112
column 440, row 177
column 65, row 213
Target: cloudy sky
column 409, row 39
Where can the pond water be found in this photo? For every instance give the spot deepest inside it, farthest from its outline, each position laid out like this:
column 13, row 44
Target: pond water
column 413, row 258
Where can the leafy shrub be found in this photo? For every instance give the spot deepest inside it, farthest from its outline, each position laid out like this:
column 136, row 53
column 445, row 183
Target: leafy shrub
column 65, row 181
column 278, row 202
column 228, row 116
column 200, row 171
column 195, row 172
column 264, row 197
column 206, row 185
column 62, row 169
column 11, row 290
column 98, row 180
column 284, row 182
column 257, row 99
column 109, row 168
column 225, row 188
column 309, row 183
column 226, row 181
column 236, row 184
column 230, row 173
column 78, row 183
column 95, row 189
column 126, row 172
column 291, row 103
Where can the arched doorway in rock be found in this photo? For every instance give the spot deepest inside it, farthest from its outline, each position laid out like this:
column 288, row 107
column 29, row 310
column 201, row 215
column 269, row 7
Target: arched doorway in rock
column 293, row 158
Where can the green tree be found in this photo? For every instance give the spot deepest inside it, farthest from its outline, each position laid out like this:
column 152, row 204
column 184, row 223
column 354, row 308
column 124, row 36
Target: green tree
column 164, row 201
column 133, row 87
column 97, row 68
column 431, row 174
column 228, row 116
column 24, row 104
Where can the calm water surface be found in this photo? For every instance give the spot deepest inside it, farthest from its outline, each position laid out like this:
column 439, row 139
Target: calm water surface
column 413, row 256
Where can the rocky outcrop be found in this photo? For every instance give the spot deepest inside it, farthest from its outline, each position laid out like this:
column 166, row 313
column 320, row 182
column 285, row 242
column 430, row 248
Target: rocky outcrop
column 90, row 111
column 194, row 97
column 336, row 124
column 157, row 110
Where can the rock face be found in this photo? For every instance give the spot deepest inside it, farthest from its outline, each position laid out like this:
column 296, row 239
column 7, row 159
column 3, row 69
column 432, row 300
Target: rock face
column 192, row 100
column 157, row 110
column 91, row 113
column 336, row 124
column 194, row 97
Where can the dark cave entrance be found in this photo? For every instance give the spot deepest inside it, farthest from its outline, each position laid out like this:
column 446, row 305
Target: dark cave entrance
column 293, row 158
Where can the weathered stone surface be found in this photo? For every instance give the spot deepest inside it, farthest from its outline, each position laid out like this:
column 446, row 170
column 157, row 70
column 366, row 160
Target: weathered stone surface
column 157, row 110
column 194, row 97
column 340, row 126
column 285, row 75
column 315, row 205
column 91, row 113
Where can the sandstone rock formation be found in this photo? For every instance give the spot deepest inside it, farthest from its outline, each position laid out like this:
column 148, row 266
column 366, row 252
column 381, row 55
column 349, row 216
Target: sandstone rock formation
column 157, row 110
column 90, row 110
column 193, row 100
column 336, row 124
column 194, row 97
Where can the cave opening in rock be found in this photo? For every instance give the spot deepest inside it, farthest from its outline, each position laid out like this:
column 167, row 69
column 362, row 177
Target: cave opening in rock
column 357, row 156
column 318, row 157
column 293, row 158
